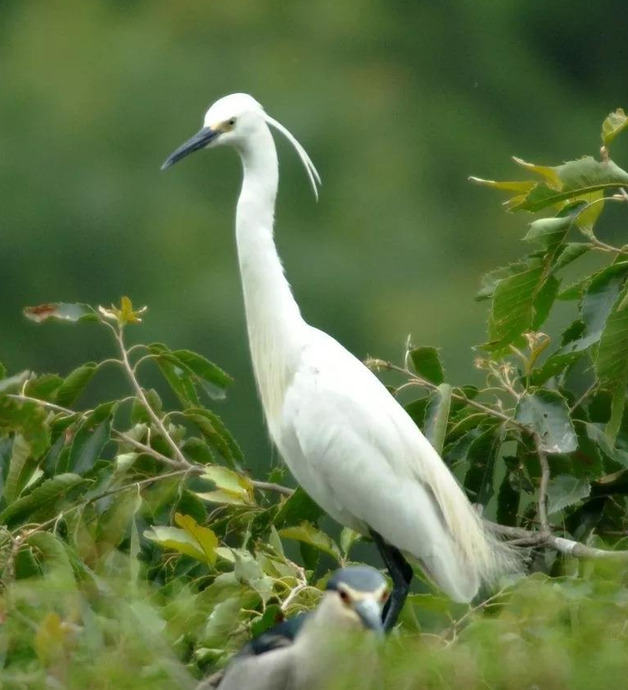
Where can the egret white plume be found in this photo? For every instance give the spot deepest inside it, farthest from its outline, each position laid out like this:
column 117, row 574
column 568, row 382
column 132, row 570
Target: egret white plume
column 312, row 172
column 347, row 441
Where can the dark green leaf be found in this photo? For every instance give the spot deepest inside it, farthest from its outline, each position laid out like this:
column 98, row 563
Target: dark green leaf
column 20, row 469
column 54, row 554
column 570, row 252
column 508, row 501
column 427, row 363
column 512, row 311
column 29, row 419
column 546, row 413
column 43, row 387
column 481, row 456
column 544, row 301
column 74, row 384
column 212, row 377
column 297, row 508
column 214, row 430
column 564, row 491
column 90, row 438
column 437, row 416
column 47, row 495
column 139, row 414
column 597, row 303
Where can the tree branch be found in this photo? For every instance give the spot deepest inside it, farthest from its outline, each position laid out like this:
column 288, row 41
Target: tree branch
column 569, row 547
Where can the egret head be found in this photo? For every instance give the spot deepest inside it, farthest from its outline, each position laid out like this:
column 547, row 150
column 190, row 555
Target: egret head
column 233, row 121
column 358, row 594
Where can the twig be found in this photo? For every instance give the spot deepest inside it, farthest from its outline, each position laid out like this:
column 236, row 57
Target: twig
column 569, row 547
column 142, row 396
column 302, row 580
column 271, row 486
column 194, row 468
column 545, row 476
column 382, row 364
column 43, row 403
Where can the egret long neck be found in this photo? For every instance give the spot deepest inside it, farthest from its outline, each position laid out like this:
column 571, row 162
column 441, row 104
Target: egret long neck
column 274, row 322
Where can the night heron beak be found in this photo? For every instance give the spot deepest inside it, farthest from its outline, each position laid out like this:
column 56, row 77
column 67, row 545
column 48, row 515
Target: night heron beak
column 199, row 141
column 370, row 613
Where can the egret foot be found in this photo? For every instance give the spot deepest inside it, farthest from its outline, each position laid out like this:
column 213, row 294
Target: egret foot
column 401, row 574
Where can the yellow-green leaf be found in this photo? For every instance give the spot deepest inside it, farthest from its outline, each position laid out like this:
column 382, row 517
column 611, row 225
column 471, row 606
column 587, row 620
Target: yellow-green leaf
column 307, row 533
column 205, row 537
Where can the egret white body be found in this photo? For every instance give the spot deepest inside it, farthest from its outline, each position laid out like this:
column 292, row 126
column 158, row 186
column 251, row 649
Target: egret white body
column 347, row 441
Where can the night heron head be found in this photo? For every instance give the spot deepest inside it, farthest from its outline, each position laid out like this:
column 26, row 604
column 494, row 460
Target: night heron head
column 356, row 596
column 238, row 120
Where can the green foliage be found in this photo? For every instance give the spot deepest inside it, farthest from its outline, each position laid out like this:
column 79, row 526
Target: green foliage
column 136, row 550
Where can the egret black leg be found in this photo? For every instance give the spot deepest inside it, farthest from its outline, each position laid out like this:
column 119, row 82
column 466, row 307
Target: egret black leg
column 401, row 574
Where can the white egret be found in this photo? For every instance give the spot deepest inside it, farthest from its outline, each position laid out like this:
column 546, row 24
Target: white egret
column 346, row 440
column 303, row 653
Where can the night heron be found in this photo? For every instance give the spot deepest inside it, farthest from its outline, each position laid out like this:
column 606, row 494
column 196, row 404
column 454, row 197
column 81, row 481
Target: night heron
column 307, row 652
column 347, row 441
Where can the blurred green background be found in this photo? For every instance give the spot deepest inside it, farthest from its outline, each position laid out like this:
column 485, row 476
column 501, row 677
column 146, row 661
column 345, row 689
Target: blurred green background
column 397, row 102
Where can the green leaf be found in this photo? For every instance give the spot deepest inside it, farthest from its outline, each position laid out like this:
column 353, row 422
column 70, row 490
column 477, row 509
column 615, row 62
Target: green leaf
column 437, row 416
column 508, row 501
column 597, row 303
column 574, row 180
column 222, row 621
column 214, row 380
column 62, row 311
column 91, row 437
column 348, row 538
column 43, row 387
column 248, row 571
column 215, row 431
column 74, row 384
column 177, row 377
column 20, row 469
column 205, row 537
column 546, row 413
column 46, row 496
column 28, row 419
column 611, row 363
column 54, row 553
column 543, row 302
column 481, row 455
column 548, row 231
column 307, row 533
column 427, row 363
column 139, row 414
column 512, row 311
column 565, row 490
column 232, row 488
column 570, row 252
column 613, row 125
column 297, row 508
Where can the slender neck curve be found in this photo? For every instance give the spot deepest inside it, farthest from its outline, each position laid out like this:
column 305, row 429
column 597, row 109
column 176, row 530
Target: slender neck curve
column 274, row 322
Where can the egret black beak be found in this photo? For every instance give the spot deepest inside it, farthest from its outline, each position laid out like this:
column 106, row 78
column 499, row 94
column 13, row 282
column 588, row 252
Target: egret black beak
column 371, row 615
column 199, row 141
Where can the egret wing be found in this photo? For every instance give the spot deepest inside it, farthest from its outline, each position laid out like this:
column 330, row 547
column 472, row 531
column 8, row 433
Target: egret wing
column 360, row 456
